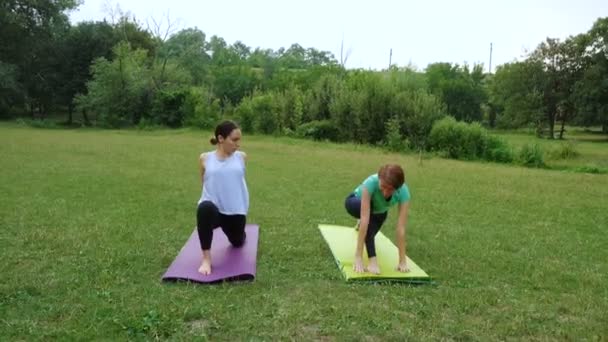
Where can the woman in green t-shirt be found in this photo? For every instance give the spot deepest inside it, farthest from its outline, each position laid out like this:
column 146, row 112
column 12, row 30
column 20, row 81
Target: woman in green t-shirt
column 370, row 202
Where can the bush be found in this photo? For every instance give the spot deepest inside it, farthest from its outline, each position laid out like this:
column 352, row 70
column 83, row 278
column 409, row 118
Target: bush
column 260, row 113
column 497, row 150
column 168, row 107
column 460, row 140
column 44, row 123
column 447, row 136
column 418, row 110
column 148, row 125
column 201, row 109
column 244, row 115
column 531, row 156
column 265, row 118
column 318, row 130
column 565, row 150
column 474, row 140
column 591, row 169
column 394, row 140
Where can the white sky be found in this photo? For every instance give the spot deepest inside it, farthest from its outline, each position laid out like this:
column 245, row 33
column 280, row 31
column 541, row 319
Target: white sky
column 420, row 32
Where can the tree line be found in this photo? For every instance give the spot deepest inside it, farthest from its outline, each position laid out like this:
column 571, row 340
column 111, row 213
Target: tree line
column 120, row 74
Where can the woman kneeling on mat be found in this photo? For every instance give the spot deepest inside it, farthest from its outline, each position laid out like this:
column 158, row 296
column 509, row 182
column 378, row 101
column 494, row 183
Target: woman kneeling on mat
column 370, row 203
column 225, row 199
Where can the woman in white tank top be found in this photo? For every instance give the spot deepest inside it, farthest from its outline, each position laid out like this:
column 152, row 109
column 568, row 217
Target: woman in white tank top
column 224, row 200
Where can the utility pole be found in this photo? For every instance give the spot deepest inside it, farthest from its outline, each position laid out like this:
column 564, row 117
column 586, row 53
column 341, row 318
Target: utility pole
column 342, row 51
column 490, row 71
column 390, row 59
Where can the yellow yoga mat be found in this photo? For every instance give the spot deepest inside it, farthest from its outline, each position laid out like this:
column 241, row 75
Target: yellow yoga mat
column 342, row 242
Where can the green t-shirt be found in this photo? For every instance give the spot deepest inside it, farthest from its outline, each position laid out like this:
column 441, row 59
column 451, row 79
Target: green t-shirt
column 378, row 202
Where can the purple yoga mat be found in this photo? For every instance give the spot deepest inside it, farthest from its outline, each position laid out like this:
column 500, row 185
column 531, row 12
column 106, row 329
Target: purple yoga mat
column 227, row 263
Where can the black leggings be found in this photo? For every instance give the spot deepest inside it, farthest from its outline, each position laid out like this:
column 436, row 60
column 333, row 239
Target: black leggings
column 353, row 207
column 208, row 218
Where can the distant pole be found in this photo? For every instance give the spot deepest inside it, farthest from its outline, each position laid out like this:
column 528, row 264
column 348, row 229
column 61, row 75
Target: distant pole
column 342, row 51
column 490, row 58
column 390, row 59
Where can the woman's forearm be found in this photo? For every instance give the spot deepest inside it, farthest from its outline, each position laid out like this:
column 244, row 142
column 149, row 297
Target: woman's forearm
column 401, row 243
column 363, row 224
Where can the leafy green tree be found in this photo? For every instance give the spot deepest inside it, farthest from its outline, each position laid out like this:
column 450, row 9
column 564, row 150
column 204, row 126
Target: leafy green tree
column 232, row 83
column 26, row 58
column 119, row 92
column 81, row 45
column 591, row 90
column 516, row 93
column 131, row 31
column 188, row 49
column 551, row 55
column 417, row 110
column 10, row 89
column 460, row 88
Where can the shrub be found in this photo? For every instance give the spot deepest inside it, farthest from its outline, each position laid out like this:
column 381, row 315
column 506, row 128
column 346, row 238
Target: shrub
column 531, row 155
column 200, row 109
column 168, row 107
column 460, row 140
column 394, row 140
column 565, row 150
column 318, row 130
column 497, row 150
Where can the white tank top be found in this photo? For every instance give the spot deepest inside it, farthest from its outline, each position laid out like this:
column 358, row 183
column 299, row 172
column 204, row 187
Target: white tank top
column 224, row 184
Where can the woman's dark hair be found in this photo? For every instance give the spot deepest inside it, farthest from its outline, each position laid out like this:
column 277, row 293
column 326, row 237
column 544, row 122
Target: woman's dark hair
column 224, row 129
column 392, row 174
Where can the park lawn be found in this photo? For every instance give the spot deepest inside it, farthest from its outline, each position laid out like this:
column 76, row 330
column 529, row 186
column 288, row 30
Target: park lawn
column 591, row 148
column 91, row 219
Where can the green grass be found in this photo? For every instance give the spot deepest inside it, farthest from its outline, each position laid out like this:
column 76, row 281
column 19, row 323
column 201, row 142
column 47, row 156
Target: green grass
column 91, row 219
column 591, row 148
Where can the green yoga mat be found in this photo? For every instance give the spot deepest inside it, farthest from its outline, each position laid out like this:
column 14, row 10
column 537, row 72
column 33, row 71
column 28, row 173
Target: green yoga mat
column 342, row 242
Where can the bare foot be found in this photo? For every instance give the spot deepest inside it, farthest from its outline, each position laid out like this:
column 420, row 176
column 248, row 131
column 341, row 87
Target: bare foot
column 372, row 266
column 205, row 268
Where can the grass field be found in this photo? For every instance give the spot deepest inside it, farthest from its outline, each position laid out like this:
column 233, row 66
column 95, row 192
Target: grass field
column 91, row 219
column 591, row 148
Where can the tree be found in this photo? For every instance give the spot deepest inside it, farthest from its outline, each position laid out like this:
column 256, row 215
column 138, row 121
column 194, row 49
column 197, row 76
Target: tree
column 264, row 61
column 221, row 54
column 591, row 90
column 561, row 64
column 241, row 50
column 459, row 88
column 10, row 89
column 573, row 65
column 119, row 92
column 317, row 57
column 417, row 111
column 188, row 48
column 232, row 83
column 82, row 44
column 131, row 31
column 27, row 22
column 516, row 94
column 26, row 34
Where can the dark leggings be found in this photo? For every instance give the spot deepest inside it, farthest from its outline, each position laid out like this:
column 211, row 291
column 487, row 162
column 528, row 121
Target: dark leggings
column 353, row 207
column 208, row 218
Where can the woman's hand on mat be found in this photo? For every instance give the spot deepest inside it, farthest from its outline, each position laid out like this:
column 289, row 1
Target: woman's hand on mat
column 358, row 265
column 403, row 267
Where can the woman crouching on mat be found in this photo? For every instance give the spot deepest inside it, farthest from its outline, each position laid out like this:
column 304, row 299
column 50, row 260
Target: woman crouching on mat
column 370, row 203
column 225, row 199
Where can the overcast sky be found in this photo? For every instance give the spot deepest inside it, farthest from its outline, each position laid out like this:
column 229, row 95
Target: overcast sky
column 419, row 32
